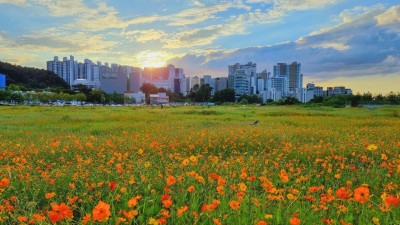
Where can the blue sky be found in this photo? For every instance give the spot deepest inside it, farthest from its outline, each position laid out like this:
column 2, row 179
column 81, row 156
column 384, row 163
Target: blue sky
column 338, row 42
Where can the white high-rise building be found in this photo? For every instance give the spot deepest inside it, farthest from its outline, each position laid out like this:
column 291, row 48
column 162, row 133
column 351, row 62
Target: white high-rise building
column 288, row 79
column 65, row 69
column 240, row 78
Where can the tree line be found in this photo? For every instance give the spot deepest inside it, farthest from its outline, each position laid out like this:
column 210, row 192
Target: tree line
column 28, row 78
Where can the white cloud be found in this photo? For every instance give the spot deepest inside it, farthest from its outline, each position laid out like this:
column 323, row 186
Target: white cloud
column 389, row 17
column 63, row 8
column 144, row 36
column 356, row 47
column 203, row 13
column 52, row 40
column 13, row 2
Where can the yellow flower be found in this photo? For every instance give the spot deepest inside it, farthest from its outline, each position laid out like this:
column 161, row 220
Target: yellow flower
column 268, row 216
column 153, row 221
column 372, row 147
column 242, row 186
column 376, row 221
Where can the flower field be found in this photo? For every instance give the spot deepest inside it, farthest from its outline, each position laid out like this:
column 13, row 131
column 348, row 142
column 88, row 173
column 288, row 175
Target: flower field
column 198, row 165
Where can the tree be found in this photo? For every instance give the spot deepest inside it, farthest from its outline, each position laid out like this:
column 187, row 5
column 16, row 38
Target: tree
column 366, row 97
column 317, row 99
column 28, row 78
column 16, row 97
column 82, row 88
column 392, row 98
column 200, row 93
column 14, row 87
column 175, row 97
column 43, row 97
column 225, row 95
column 80, row 97
column 4, row 95
column 148, row 89
column 288, row 101
column 355, row 100
column 251, row 99
column 95, row 96
column 204, row 93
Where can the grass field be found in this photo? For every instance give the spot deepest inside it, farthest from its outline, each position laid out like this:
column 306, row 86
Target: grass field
column 199, row 165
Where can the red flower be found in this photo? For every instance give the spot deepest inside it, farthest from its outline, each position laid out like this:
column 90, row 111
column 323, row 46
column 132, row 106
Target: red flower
column 113, row 185
column 4, row 182
column 391, row 200
column 342, row 193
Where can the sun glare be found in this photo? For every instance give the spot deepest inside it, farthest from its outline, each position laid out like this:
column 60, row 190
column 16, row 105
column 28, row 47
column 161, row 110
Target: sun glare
column 151, row 59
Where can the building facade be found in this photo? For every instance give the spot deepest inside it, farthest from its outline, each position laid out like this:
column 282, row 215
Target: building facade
column 2, row 82
column 240, row 78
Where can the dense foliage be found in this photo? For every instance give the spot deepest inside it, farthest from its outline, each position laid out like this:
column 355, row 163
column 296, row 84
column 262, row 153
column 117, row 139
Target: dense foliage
column 31, row 78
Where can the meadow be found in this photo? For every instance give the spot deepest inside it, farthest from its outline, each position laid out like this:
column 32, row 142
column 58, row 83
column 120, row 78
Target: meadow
column 199, row 165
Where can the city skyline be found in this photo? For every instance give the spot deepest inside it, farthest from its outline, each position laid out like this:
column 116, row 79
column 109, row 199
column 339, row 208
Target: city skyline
column 339, row 43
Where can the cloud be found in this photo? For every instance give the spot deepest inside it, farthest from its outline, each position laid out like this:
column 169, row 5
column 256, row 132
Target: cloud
column 144, row 36
column 202, row 13
column 389, row 17
column 194, row 37
column 63, row 8
column 358, row 46
column 52, row 40
column 288, row 5
column 13, row 2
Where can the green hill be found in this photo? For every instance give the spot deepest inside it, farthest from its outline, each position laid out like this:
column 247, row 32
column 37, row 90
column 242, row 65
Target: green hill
column 31, row 78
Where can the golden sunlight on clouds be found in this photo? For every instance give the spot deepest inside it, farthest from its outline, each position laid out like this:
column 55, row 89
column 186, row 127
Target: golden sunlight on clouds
column 152, row 58
column 375, row 84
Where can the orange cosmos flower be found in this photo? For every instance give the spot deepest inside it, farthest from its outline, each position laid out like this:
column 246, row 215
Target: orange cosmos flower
column 328, row 221
column 171, row 180
column 217, row 221
column 101, row 212
column 361, row 194
column 191, row 188
column 22, row 219
column 4, row 182
column 130, row 214
column 342, row 193
column 234, row 205
column 284, row 176
column 86, row 219
column 162, row 220
column 72, row 200
column 295, row 219
column 182, row 210
column 391, row 200
column 166, row 201
column 154, row 144
column 261, row 222
column 134, row 201
column 59, row 212
column 49, row 195
column 242, row 186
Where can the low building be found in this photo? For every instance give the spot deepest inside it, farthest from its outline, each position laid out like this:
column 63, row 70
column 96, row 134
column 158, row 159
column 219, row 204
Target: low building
column 134, row 97
column 159, row 98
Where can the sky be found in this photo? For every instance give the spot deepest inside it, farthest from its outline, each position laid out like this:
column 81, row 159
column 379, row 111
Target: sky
column 348, row 43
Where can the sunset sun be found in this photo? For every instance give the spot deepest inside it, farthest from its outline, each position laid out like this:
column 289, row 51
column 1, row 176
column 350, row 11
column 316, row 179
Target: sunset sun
column 152, row 58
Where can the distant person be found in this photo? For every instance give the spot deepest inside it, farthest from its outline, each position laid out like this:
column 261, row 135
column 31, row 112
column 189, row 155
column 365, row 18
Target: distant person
column 162, row 106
